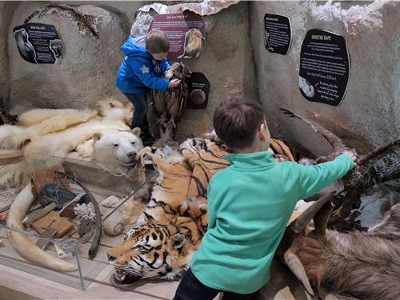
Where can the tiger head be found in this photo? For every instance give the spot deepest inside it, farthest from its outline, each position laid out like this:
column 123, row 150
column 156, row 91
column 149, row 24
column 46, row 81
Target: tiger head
column 155, row 250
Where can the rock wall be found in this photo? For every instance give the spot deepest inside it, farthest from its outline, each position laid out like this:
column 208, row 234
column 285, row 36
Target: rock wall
column 368, row 114
column 235, row 61
column 6, row 12
column 87, row 70
column 227, row 60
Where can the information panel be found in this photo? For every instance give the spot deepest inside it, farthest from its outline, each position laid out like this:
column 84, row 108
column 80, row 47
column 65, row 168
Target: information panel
column 277, row 33
column 185, row 33
column 324, row 67
column 199, row 89
column 38, row 43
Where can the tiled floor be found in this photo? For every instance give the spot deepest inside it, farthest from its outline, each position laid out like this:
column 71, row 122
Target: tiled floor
column 18, row 285
column 23, row 285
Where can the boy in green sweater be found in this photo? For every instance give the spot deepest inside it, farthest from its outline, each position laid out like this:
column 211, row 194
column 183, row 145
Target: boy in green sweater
column 249, row 205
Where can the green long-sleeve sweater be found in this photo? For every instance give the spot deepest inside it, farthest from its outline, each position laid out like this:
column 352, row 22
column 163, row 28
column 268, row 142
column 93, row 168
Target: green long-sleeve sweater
column 249, row 205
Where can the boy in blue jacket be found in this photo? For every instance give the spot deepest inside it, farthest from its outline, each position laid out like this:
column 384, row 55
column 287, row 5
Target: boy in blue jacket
column 249, row 205
column 140, row 71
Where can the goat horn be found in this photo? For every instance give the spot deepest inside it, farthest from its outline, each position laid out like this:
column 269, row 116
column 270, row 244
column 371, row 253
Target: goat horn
column 302, row 221
column 336, row 142
column 21, row 242
column 294, row 264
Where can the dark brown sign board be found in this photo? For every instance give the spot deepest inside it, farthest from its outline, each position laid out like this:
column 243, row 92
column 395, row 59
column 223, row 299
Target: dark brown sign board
column 199, row 88
column 185, row 33
column 277, row 33
column 38, row 43
column 324, row 67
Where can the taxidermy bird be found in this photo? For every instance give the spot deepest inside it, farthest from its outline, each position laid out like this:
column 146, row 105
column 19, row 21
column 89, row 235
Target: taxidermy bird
column 194, row 44
column 379, row 168
column 169, row 105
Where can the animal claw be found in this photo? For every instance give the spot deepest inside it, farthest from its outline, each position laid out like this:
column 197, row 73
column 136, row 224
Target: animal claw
column 337, row 212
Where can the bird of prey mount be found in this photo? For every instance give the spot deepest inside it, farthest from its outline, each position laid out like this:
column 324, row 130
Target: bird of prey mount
column 169, row 105
column 376, row 170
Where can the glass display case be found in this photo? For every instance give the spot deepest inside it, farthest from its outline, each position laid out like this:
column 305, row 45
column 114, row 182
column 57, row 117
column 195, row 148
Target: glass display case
column 74, row 259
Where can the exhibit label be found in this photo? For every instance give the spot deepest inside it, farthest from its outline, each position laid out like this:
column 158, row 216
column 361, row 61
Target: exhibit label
column 324, row 67
column 185, row 33
column 38, row 43
column 277, row 33
column 199, row 88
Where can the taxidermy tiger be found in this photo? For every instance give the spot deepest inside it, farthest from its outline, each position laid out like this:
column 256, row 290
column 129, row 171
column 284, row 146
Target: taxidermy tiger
column 175, row 219
column 155, row 250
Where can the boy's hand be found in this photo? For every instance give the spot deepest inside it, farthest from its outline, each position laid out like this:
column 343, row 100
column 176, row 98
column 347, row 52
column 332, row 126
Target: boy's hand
column 174, row 83
column 351, row 153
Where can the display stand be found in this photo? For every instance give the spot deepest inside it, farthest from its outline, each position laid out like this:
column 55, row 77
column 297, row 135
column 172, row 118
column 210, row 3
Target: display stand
column 102, row 185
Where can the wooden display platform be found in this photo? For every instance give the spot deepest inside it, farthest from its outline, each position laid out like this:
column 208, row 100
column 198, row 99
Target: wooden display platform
column 21, row 280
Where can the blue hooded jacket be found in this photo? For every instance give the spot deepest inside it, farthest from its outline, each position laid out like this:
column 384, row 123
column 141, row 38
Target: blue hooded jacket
column 139, row 71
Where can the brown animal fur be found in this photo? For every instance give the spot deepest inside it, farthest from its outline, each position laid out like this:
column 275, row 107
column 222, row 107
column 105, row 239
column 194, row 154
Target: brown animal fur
column 362, row 264
column 183, row 180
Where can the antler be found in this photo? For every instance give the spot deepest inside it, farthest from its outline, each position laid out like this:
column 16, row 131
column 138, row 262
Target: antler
column 335, row 141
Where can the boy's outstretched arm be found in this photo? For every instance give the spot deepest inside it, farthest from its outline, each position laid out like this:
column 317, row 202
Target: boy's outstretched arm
column 350, row 153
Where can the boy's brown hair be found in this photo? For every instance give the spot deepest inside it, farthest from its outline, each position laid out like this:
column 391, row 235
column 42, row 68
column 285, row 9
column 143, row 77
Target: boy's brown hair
column 236, row 121
column 157, row 41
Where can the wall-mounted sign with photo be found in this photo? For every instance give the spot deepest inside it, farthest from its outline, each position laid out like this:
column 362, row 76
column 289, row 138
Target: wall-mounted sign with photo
column 277, row 33
column 324, row 67
column 38, row 43
column 199, row 88
column 185, row 33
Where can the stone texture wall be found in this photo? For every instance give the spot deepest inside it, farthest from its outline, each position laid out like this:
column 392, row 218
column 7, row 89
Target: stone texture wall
column 235, row 61
column 88, row 69
column 227, row 62
column 370, row 109
column 6, row 13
